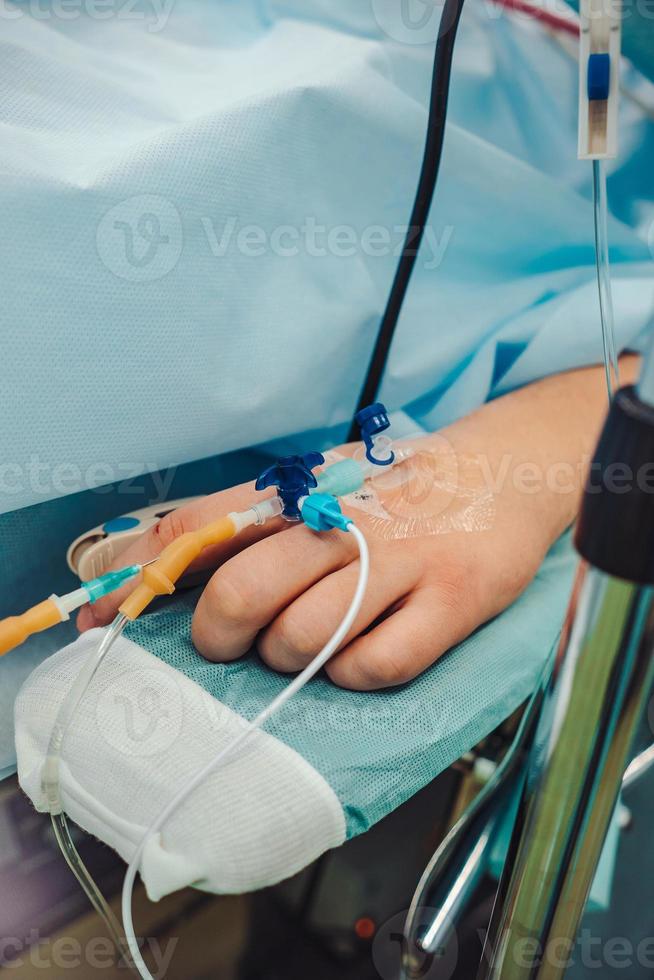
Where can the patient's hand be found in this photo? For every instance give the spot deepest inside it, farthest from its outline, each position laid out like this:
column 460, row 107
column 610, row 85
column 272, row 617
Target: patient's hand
column 451, row 546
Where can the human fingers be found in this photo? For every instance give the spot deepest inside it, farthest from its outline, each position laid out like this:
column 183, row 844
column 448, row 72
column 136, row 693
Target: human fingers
column 254, row 587
column 295, row 637
column 405, row 644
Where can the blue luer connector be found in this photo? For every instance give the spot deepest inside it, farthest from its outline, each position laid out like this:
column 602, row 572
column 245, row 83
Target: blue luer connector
column 105, row 584
column 371, row 421
column 322, row 512
column 293, row 478
column 599, row 77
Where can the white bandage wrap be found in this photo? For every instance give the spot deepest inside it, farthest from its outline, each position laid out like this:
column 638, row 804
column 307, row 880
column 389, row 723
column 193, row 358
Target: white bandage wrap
column 141, row 731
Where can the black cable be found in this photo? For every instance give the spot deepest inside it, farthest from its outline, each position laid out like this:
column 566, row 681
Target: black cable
column 440, row 87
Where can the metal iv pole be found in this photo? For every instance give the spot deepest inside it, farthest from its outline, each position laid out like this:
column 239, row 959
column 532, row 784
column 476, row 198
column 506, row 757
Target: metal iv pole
column 599, row 688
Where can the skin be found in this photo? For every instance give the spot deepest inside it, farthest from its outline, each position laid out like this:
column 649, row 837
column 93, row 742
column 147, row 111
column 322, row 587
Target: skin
column 284, row 588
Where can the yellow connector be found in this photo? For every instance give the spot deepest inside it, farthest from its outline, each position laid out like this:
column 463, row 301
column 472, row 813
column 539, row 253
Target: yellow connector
column 16, row 629
column 161, row 576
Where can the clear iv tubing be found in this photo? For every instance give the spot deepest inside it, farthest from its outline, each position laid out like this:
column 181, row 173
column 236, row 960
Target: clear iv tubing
column 51, row 784
column 88, row 885
column 68, row 707
column 296, row 685
column 600, row 209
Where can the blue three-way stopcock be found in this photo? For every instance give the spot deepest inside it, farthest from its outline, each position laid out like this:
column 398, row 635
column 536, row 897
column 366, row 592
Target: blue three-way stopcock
column 293, row 478
column 372, row 421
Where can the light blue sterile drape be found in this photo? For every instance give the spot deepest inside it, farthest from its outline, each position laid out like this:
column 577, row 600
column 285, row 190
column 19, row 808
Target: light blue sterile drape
column 202, row 205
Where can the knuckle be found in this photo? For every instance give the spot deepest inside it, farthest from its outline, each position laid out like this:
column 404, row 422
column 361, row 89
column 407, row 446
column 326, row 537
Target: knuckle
column 372, row 673
column 388, row 671
column 228, row 601
column 271, row 655
column 337, row 676
column 288, row 643
column 294, row 635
